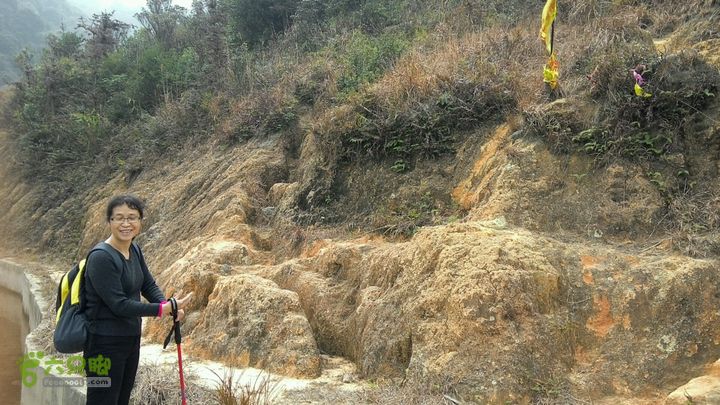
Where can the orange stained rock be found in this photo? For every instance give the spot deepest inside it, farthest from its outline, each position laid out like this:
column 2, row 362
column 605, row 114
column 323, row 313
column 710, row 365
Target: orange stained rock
column 466, row 193
column 632, row 260
column 589, row 261
column 588, row 277
column 602, row 321
column 315, row 248
column 714, row 369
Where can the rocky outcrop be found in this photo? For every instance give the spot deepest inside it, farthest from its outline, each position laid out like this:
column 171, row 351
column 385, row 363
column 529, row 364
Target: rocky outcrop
column 517, row 176
column 703, row 390
column 498, row 310
column 505, row 306
column 501, row 313
column 249, row 321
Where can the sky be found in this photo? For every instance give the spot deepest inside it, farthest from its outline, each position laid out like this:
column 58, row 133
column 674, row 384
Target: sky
column 137, row 4
column 124, row 9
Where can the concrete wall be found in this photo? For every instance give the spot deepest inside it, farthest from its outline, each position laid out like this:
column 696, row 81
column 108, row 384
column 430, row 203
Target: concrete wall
column 14, row 278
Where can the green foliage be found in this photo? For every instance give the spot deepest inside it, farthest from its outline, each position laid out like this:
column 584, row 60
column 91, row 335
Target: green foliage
column 257, row 21
column 426, row 128
column 369, row 16
column 631, row 127
column 637, row 144
column 66, row 44
column 317, row 24
column 657, row 179
column 69, row 103
column 106, row 34
column 205, row 33
column 142, row 75
column 365, row 58
column 161, row 19
column 399, row 166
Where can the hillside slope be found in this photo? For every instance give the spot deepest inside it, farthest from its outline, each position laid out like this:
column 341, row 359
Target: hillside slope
column 550, row 255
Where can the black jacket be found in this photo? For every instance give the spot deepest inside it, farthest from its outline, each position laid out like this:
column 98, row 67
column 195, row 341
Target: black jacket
column 113, row 294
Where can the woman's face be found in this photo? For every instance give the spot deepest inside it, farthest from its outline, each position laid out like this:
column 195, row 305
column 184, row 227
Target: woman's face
column 125, row 223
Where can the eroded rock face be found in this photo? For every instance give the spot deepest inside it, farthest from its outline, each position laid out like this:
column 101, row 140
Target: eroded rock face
column 524, row 181
column 499, row 311
column 493, row 306
column 249, row 321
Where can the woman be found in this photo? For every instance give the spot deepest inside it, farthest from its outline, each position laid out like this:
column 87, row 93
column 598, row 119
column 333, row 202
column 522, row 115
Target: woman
column 113, row 304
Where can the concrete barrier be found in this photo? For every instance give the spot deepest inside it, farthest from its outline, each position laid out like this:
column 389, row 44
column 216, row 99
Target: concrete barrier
column 43, row 391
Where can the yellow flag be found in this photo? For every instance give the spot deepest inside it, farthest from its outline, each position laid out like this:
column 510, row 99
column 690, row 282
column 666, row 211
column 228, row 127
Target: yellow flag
column 548, row 17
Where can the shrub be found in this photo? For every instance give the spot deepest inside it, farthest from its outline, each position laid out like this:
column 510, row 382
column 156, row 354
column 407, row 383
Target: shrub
column 230, row 389
column 366, row 58
column 256, row 21
column 643, row 128
column 259, row 114
column 159, row 384
column 426, row 126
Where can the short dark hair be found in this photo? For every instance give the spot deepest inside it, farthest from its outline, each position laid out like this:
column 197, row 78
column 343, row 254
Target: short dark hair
column 126, row 199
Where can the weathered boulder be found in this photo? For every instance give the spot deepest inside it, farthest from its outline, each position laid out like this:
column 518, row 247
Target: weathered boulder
column 703, row 390
column 250, row 321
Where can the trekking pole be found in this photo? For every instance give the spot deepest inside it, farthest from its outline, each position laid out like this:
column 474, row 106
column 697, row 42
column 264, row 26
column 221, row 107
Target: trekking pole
column 178, row 339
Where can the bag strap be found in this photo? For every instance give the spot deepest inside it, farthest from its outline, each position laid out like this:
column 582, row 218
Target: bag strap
column 117, row 256
column 139, row 253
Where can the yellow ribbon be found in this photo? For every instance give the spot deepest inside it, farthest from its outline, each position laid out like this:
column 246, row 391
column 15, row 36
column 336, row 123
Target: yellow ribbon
column 551, row 72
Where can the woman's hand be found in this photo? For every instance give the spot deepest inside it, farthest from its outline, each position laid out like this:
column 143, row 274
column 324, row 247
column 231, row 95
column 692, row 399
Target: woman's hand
column 181, row 301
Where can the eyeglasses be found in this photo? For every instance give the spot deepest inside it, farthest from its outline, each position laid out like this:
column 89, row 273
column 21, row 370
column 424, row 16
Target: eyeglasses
column 129, row 220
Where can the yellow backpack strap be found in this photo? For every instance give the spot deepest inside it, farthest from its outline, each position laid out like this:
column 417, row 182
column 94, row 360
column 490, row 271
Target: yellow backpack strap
column 64, row 289
column 75, row 289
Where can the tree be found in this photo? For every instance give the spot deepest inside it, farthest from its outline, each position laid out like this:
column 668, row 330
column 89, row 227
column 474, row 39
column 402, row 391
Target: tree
column 106, row 34
column 256, row 21
column 161, row 19
column 205, row 32
column 66, row 44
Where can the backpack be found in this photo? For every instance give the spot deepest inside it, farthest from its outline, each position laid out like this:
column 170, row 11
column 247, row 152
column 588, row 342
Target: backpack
column 71, row 323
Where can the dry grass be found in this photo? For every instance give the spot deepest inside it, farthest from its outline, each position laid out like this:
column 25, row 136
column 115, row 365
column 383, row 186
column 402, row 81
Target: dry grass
column 258, row 114
column 160, row 385
column 387, row 392
column 230, row 391
column 495, row 55
column 423, row 103
column 694, row 223
column 44, row 334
